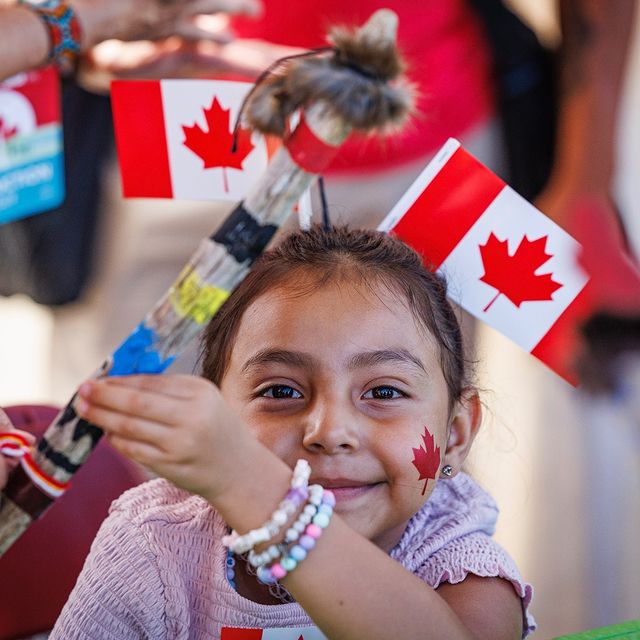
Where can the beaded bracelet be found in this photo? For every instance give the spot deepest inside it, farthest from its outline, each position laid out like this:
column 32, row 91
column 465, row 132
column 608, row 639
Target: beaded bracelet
column 297, row 552
column 64, row 32
column 307, row 513
column 296, row 495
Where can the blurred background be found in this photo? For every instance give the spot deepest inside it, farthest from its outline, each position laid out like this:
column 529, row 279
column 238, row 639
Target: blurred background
column 564, row 468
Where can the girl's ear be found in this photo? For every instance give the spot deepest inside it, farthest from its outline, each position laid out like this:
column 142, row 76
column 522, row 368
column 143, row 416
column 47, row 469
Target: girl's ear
column 464, row 427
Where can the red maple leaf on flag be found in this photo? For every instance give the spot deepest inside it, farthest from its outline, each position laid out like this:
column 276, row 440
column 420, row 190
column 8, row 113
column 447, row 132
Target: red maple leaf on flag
column 214, row 146
column 7, row 132
column 427, row 460
column 514, row 276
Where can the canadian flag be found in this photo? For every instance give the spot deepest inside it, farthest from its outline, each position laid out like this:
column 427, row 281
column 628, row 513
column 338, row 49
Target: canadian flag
column 505, row 262
column 174, row 139
column 290, row 633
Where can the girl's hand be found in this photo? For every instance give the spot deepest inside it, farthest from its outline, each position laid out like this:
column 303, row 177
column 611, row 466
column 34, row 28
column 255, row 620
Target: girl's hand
column 178, row 426
column 8, row 463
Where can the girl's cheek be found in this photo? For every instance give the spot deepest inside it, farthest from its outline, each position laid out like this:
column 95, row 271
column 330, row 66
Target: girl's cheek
column 273, row 437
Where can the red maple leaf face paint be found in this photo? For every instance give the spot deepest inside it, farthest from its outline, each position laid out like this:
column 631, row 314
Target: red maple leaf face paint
column 426, row 460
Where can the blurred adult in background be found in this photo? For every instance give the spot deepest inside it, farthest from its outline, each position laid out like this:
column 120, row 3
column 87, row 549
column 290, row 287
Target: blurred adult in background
column 26, row 42
column 472, row 61
column 49, row 256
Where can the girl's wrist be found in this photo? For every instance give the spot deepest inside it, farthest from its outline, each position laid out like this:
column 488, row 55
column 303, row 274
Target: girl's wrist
column 253, row 489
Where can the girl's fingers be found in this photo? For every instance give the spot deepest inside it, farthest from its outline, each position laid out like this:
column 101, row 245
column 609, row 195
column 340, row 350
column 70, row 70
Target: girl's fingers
column 142, row 396
column 124, row 402
column 175, row 386
column 128, row 427
column 144, row 453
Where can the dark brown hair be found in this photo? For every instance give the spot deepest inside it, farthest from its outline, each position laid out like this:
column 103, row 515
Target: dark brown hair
column 370, row 257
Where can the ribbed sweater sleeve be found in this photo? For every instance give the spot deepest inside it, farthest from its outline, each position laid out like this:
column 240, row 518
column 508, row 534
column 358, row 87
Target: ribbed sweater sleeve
column 156, row 569
column 119, row 593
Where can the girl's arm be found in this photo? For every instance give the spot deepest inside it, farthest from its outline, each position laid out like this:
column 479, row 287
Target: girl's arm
column 354, row 590
column 351, row 588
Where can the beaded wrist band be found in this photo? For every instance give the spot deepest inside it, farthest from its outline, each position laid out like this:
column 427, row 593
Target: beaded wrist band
column 64, row 32
column 298, row 551
column 307, row 513
column 296, row 495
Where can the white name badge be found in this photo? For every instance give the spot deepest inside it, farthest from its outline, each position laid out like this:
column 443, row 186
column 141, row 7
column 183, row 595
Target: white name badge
column 31, row 154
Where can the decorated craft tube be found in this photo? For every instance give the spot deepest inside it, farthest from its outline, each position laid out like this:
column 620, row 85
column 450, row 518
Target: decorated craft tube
column 222, row 261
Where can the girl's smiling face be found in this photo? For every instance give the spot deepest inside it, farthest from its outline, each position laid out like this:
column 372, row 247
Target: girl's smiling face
column 345, row 377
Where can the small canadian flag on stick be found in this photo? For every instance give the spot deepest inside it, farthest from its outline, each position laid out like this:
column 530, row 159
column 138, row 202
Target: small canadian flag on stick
column 505, row 262
column 174, row 139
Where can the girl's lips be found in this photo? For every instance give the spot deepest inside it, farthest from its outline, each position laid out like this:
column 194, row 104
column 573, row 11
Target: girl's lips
column 347, row 490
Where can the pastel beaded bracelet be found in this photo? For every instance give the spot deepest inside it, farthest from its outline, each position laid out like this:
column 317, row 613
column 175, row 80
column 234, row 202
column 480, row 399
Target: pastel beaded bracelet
column 299, row 550
column 292, row 534
column 295, row 497
column 64, row 31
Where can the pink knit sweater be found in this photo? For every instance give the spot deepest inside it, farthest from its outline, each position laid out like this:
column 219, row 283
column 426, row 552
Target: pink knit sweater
column 156, row 569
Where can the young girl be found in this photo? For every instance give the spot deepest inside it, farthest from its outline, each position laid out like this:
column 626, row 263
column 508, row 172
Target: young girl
column 339, row 358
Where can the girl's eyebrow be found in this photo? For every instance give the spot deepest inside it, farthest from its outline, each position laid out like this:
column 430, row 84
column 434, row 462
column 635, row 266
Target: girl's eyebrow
column 360, row 360
column 279, row 356
column 381, row 356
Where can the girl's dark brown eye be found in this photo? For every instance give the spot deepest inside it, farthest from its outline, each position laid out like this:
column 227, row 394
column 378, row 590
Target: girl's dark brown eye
column 383, row 393
column 281, row 391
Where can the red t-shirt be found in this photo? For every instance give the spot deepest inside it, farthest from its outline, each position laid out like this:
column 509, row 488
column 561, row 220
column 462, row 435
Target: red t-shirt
column 447, row 56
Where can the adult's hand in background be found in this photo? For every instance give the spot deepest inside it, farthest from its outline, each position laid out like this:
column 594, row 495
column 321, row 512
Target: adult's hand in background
column 177, row 58
column 155, row 19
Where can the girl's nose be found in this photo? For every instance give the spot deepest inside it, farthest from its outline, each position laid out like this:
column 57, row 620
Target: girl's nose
column 331, row 428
